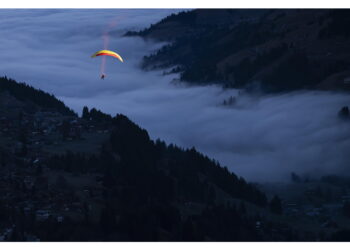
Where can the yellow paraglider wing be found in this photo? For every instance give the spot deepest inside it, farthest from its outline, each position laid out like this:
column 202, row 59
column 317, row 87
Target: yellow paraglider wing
column 108, row 53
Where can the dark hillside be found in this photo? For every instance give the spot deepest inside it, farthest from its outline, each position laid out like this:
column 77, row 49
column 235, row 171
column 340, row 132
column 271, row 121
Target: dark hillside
column 28, row 94
column 278, row 49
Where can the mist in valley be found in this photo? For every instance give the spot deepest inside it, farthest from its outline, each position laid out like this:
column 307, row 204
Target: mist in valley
column 260, row 137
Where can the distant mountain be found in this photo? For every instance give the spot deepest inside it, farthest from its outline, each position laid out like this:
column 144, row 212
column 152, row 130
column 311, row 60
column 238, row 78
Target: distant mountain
column 29, row 97
column 273, row 50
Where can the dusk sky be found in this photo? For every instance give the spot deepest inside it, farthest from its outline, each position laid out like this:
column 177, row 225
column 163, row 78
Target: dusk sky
column 262, row 137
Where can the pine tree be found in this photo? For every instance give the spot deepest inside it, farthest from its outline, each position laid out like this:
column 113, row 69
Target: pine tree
column 86, row 114
column 276, row 205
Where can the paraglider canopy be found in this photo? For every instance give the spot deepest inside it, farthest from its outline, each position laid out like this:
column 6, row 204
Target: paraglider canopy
column 108, row 53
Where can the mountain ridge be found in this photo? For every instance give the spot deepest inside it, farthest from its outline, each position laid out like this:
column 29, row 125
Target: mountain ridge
column 277, row 50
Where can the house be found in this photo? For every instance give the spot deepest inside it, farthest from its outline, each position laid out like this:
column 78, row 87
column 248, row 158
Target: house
column 29, row 237
column 332, row 208
column 28, row 182
column 291, row 208
column 42, row 214
column 313, row 212
column 345, row 198
column 347, row 80
column 27, row 210
column 36, row 161
column 59, row 218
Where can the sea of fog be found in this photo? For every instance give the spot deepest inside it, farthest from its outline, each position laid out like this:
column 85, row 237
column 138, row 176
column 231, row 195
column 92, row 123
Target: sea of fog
column 262, row 138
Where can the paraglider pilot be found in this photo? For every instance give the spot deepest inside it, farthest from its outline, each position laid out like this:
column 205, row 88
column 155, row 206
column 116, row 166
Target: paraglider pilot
column 107, row 53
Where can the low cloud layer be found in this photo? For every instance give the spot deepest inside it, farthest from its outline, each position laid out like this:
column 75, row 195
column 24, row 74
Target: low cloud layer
column 261, row 138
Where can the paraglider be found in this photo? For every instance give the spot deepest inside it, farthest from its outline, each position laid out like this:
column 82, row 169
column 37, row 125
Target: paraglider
column 106, row 53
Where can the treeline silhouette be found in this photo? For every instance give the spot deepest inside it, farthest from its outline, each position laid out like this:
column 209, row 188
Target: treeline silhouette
column 132, row 157
column 26, row 93
column 200, row 65
column 95, row 115
column 147, row 183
